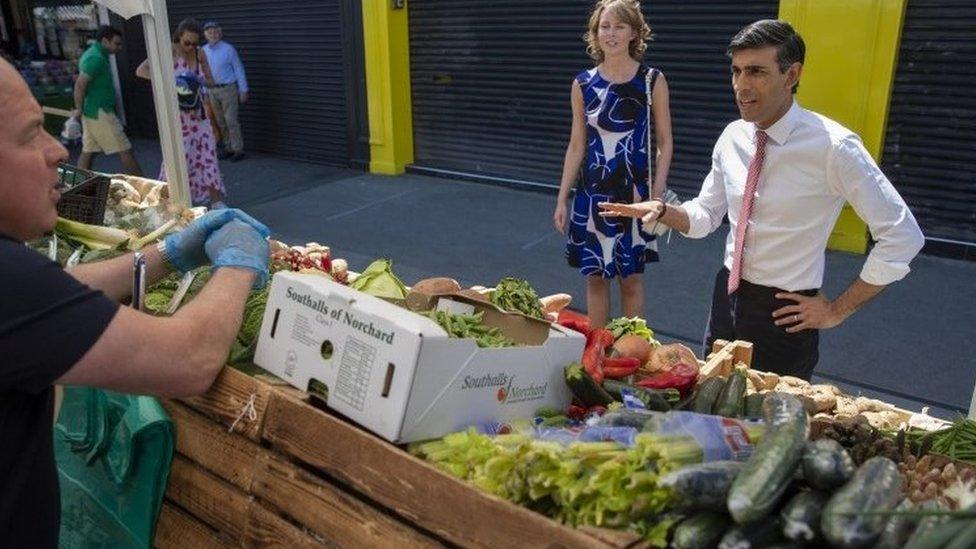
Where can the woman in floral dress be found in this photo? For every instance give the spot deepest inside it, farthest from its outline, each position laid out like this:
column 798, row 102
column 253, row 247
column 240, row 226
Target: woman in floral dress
column 192, row 73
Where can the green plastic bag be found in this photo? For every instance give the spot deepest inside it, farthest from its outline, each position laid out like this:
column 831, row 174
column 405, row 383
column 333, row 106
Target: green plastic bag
column 113, row 453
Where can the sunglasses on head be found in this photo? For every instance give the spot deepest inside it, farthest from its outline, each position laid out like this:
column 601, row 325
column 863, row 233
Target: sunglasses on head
column 190, row 44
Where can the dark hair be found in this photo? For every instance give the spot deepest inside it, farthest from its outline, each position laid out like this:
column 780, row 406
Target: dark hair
column 106, row 32
column 771, row 32
column 187, row 25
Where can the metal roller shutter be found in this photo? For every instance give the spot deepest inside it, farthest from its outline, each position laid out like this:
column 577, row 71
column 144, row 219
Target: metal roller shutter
column 491, row 82
column 931, row 135
column 295, row 55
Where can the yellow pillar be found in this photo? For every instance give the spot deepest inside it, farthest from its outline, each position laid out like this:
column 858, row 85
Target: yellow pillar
column 387, row 51
column 852, row 51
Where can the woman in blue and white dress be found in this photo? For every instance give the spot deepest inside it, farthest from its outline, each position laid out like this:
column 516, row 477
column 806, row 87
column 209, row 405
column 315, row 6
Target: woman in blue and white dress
column 607, row 158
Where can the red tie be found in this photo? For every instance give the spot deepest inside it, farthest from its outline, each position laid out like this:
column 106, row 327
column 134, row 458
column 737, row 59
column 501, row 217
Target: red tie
column 752, row 181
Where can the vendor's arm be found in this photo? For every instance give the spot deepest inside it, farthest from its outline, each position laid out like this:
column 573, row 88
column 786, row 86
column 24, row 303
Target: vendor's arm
column 175, row 356
column 114, row 276
column 855, row 176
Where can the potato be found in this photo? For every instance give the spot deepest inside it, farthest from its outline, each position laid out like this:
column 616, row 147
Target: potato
column 474, row 294
column 865, row 404
column 794, row 381
column 436, row 286
column 771, row 379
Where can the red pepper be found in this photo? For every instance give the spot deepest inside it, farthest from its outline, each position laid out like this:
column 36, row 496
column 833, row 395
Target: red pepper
column 594, row 354
column 596, row 410
column 681, row 377
column 620, row 367
column 574, row 321
column 576, row 412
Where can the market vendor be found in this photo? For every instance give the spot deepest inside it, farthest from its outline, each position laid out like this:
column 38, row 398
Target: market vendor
column 67, row 328
column 782, row 174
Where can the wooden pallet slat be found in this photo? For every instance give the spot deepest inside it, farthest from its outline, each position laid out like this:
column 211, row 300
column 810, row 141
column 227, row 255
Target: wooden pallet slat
column 229, row 399
column 339, row 517
column 176, row 528
column 410, row 487
column 208, row 498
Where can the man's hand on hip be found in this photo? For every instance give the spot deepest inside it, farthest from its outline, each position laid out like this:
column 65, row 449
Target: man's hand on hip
column 809, row 313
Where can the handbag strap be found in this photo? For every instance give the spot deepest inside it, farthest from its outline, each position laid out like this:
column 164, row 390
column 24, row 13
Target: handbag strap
column 649, row 79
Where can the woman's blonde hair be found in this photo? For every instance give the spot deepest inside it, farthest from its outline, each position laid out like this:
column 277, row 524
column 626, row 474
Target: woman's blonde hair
column 628, row 11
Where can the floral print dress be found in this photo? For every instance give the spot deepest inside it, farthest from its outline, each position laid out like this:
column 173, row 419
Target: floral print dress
column 614, row 169
column 200, row 147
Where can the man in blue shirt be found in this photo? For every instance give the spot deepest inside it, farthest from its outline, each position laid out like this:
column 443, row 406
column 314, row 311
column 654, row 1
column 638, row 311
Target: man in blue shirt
column 229, row 92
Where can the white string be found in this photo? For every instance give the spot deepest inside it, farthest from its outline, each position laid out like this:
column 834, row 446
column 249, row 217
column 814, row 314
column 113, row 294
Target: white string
column 247, row 410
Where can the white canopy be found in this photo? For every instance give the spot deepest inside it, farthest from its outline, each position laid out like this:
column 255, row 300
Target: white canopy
column 155, row 24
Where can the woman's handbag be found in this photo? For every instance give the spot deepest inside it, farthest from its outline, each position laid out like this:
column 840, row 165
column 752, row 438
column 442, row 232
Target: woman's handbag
column 670, row 197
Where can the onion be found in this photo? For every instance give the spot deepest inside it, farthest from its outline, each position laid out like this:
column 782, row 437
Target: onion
column 633, row 346
column 665, row 357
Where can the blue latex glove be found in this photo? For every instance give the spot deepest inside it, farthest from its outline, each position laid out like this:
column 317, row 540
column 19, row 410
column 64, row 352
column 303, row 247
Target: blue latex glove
column 184, row 249
column 238, row 244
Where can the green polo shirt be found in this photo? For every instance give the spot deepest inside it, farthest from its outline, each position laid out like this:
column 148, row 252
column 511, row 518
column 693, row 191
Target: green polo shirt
column 100, row 94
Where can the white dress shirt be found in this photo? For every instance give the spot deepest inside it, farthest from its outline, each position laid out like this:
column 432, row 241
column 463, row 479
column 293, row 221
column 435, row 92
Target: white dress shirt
column 812, row 166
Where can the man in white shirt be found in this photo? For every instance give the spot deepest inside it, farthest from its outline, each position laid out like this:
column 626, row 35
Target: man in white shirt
column 782, row 174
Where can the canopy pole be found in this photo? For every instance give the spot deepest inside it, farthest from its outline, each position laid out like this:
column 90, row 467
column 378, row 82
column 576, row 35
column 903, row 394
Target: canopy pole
column 155, row 25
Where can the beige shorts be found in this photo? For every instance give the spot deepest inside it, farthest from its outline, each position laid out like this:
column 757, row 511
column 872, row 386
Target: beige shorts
column 104, row 135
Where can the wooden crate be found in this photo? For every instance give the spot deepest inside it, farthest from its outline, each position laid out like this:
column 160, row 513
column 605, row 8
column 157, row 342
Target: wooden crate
column 258, row 465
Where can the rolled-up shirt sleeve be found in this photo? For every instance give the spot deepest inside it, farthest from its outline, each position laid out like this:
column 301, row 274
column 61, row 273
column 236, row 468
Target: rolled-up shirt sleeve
column 705, row 212
column 898, row 237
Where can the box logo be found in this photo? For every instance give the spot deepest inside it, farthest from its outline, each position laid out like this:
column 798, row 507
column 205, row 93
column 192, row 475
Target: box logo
column 508, row 391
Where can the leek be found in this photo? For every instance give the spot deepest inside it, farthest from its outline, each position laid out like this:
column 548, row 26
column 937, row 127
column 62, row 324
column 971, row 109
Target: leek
column 94, row 237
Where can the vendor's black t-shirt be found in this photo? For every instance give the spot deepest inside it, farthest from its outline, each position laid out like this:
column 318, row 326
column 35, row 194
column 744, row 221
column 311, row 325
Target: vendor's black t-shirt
column 48, row 321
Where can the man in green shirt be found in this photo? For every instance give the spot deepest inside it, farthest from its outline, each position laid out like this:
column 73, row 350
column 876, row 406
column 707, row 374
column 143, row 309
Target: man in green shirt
column 95, row 104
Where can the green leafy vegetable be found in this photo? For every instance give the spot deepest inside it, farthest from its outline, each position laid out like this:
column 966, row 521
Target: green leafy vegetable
column 514, row 294
column 637, row 326
column 470, row 327
column 378, row 280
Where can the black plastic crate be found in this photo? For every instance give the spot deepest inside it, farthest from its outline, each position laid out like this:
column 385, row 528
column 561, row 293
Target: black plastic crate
column 83, row 195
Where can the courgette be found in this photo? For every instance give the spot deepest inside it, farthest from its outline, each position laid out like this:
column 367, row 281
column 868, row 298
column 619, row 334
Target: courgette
column 658, row 400
column 627, row 417
column 754, row 404
column 730, row 402
column 801, row 517
column 936, row 533
column 898, row 528
column 701, row 531
column 826, row 464
column 965, row 539
column 875, row 487
column 584, row 387
column 704, row 486
column 706, row 395
column 753, row 536
column 768, row 473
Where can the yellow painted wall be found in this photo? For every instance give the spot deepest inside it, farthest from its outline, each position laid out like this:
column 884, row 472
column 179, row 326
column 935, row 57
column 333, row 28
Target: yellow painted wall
column 386, row 40
column 852, row 52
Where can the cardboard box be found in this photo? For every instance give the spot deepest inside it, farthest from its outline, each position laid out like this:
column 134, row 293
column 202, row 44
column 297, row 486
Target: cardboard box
column 398, row 373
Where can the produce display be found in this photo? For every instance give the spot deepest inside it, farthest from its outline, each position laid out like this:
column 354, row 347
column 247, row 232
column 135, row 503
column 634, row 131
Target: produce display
column 655, row 442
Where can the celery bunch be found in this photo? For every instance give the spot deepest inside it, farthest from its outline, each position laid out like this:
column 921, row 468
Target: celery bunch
column 585, row 483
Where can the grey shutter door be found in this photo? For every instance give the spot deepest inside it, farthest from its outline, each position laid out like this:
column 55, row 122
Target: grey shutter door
column 930, row 144
column 292, row 52
column 491, row 82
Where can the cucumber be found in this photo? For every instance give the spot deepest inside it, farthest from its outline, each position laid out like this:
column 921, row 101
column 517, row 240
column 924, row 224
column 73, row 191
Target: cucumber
column 780, row 408
column 702, row 531
column 653, row 399
column 801, row 517
column 770, row 470
column 730, row 401
column 706, row 395
column 965, row 539
column 827, row 465
column 753, row 536
column 703, row 486
column 919, row 538
column 754, row 404
column 584, row 387
column 935, row 533
column 875, row 486
column 627, row 417
column 898, row 528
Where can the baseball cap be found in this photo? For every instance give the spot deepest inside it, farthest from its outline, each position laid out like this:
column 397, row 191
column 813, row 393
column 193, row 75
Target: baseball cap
column 211, row 25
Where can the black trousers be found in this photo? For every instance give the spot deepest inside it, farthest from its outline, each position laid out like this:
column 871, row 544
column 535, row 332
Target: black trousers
column 747, row 314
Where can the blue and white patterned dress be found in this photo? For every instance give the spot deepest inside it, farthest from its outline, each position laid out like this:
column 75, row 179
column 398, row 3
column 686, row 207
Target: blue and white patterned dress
column 613, row 170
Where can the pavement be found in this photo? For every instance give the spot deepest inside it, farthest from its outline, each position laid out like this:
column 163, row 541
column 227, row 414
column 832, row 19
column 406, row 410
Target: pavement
column 914, row 345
